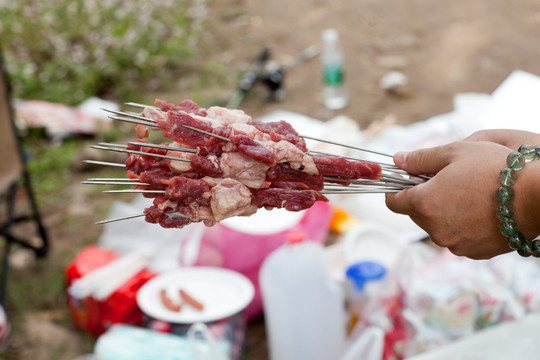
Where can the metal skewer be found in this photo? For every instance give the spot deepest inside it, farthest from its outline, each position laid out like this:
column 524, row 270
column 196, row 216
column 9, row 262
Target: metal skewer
column 138, row 153
column 131, row 115
column 134, row 121
column 120, row 219
column 149, row 145
column 152, row 121
column 163, row 147
column 360, row 187
column 128, row 191
column 97, row 182
column 365, row 182
column 388, row 167
column 392, row 179
column 142, row 106
column 347, row 146
column 207, row 133
column 105, row 163
column 111, row 179
column 352, row 192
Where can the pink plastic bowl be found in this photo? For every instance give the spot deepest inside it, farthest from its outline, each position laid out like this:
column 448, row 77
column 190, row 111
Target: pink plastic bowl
column 242, row 244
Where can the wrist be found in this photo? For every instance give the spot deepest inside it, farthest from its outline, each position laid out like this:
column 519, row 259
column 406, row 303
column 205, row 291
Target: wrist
column 515, row 162
column 527, row 200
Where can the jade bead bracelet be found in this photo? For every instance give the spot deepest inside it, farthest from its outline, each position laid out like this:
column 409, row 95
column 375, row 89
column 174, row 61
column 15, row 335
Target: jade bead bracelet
column 505, row 212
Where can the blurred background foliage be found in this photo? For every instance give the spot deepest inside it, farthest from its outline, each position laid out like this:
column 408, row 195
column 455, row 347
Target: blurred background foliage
column 67, row 51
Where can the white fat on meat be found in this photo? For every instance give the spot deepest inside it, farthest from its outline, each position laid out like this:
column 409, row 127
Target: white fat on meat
column 246, row 170
column 204, row 214
column 285, row 151
column 211, row 181
column 250, row 131
column 167, row 204
column 149, row 112
column 153, row 113
column 231, row 198
column 179, row 165
column 224, row 116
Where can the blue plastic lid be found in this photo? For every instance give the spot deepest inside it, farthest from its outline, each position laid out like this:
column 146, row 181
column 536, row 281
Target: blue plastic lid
column 362, row 272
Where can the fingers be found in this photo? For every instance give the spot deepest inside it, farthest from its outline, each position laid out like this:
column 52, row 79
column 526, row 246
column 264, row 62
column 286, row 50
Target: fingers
column 425, row 161
column 495, row 136
column 401, row 202
column 510, row 138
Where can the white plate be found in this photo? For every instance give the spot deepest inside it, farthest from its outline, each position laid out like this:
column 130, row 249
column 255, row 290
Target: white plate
column 222, row 292
column 265, row 222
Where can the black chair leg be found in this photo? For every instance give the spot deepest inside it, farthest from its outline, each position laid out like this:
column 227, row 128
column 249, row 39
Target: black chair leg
column 5, row 273
column 7, row 249
column 5, row 231
column 44, row 248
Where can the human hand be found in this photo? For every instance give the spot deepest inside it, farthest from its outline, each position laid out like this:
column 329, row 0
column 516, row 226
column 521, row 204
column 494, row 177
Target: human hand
column 509, row 138
column 457, row 206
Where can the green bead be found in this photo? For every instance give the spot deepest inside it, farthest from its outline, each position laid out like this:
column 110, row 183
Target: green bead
column 537, row 152
column 508, row 227
column 525, row 249
column 524, row 252
column 535, row 248
column 505, row 211
column 515, row 161
column 507, row 177
column 505, row 194
column 527, row 151
column 516, row 241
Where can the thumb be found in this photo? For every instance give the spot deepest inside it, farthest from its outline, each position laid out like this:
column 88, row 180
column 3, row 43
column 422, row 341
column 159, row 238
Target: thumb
column 424, row 161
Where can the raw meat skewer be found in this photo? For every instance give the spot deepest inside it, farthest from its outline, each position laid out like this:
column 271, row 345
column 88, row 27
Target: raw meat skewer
column 233, row 166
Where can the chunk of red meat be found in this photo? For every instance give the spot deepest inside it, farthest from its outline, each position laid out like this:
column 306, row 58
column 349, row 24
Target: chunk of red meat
column 187, row 105
column 292, row 200
column 172, row 214
column 191, row 107
column 213, row 145
column 280, row 130
column 280, row 127
column 339, row 167
column 139, row 163
column 164, row 105
column 180, row 188
column 169, row 218
column 174, row 129
column 155, row 178
column 206, row 167
column 289, row 185
column 284, row 172
column 253, row 149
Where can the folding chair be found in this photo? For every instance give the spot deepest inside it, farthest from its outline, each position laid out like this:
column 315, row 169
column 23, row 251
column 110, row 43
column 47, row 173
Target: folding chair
column 14, row 178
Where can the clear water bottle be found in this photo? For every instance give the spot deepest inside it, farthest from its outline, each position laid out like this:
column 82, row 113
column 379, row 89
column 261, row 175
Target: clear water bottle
column 303, row 306
column 335, row 92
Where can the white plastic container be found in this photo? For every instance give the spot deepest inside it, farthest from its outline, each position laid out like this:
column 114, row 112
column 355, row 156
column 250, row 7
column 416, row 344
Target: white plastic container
column 303, row 306
column 335, row 92
column 363, row 281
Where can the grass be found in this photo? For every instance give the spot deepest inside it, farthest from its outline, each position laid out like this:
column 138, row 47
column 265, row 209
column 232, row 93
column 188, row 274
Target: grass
column 50, row 168
column 37, row 290
column 83, row 48
column 67, row 53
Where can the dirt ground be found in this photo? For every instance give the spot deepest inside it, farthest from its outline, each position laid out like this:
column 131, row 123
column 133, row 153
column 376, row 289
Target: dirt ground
column 443, row 48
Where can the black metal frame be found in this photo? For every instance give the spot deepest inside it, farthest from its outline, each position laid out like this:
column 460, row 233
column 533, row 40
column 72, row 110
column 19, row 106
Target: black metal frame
column 9, row 198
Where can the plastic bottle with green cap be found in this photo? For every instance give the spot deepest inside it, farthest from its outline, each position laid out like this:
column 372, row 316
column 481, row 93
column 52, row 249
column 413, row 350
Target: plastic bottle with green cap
column 335, row 94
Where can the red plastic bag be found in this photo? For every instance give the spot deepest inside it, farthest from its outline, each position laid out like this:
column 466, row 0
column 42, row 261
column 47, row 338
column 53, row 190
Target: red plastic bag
column 120, row 307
